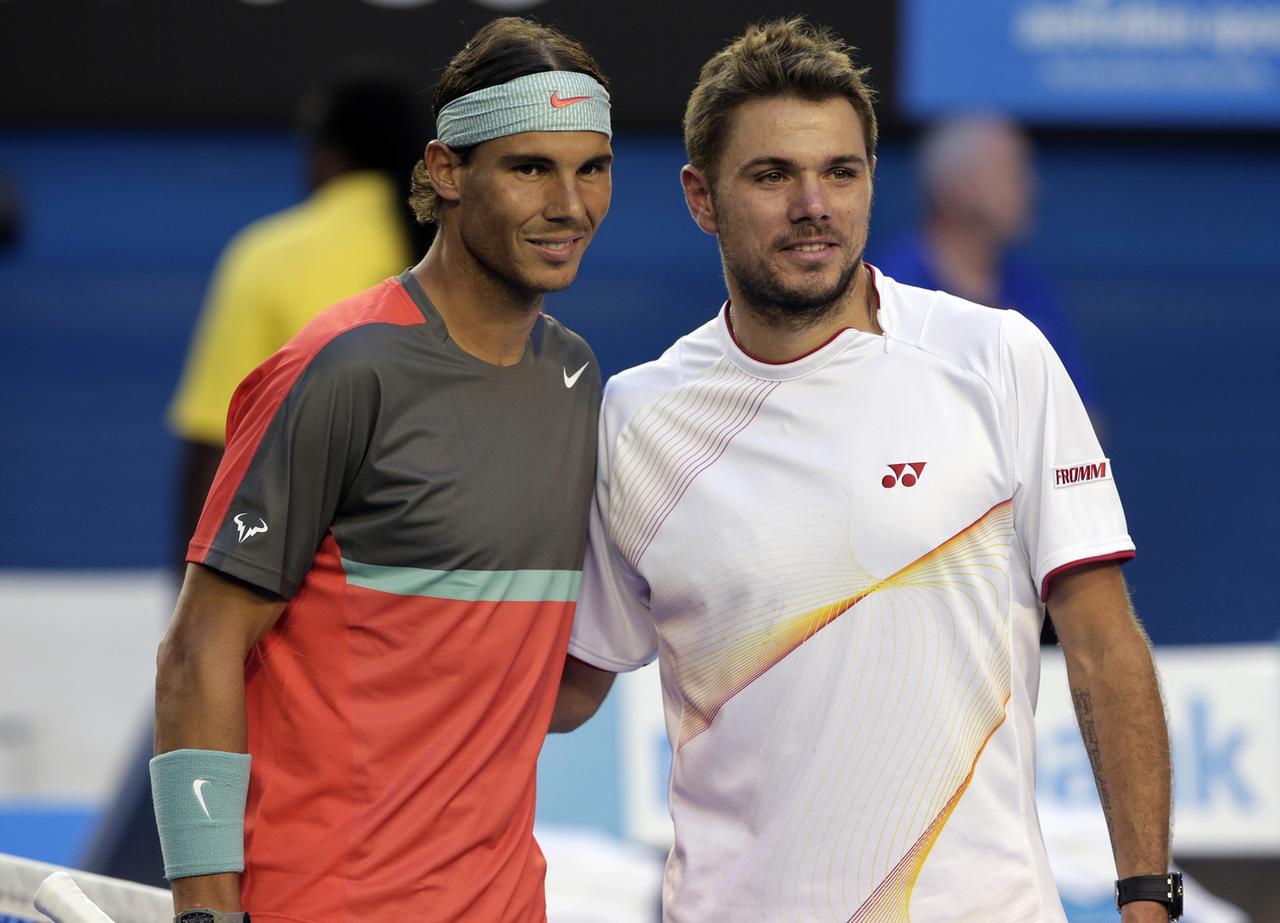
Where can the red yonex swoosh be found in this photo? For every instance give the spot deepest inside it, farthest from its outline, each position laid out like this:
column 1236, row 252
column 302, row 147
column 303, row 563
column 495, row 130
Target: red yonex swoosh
column 559, row 103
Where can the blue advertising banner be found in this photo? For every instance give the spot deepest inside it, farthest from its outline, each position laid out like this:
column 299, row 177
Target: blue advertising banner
column 1170, row 62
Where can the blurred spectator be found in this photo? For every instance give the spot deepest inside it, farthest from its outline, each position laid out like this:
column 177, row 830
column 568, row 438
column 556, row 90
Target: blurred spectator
column 979, row 188
column 363, row 133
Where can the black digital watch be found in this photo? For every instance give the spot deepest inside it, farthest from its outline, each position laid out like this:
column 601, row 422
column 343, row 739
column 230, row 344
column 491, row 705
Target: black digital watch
column 1163, row 889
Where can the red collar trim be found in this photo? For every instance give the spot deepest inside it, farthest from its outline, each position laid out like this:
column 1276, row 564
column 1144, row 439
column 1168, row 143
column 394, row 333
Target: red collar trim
column 871, row 270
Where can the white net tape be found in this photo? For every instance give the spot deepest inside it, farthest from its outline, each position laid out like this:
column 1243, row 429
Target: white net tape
column 123, row 901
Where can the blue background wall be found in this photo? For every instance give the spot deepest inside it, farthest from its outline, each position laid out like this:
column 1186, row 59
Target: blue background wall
column 1166, row 253
column 1167, row 258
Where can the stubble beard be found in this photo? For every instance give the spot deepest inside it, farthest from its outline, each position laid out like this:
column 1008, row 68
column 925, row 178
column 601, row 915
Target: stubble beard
column 774, row 302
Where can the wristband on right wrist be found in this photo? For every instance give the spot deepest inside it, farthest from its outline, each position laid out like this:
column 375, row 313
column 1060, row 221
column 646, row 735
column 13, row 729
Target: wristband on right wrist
column 199, row 798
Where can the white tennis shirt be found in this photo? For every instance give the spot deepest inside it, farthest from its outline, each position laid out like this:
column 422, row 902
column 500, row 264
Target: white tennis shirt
column 840, row 563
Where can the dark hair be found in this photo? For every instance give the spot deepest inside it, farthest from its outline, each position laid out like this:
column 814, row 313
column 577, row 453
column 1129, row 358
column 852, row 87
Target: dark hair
column 501, row 51
column 370, row 117
column 783, row 57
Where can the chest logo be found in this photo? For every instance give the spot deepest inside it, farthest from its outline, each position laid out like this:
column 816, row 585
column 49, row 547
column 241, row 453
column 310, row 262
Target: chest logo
column 249, row 531
column 902, row 476
column 571, row 380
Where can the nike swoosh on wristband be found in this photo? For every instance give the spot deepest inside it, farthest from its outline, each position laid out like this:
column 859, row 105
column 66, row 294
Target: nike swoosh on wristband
column 559, row 103
column 571, row 380
column 196, row 787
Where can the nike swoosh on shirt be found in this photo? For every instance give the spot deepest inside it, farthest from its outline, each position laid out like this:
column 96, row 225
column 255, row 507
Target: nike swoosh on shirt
column 196, row 787
column 571, row 380
column 559, row 103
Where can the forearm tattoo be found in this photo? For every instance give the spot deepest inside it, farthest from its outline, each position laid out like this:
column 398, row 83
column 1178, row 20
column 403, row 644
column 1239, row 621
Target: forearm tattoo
column 1084, row 715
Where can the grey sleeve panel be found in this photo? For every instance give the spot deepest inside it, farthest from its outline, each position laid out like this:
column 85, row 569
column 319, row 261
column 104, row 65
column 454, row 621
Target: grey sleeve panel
column 305, row 461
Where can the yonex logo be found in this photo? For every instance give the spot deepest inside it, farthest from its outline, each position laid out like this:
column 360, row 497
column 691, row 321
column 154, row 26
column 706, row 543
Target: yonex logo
column 901, row 475
column 249, row 531
column 559, row 102
column 1082, row 474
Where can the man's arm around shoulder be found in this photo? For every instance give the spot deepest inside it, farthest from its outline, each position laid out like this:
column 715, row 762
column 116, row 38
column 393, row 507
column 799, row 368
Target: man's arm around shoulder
column 200, row 692
column 1121, row 715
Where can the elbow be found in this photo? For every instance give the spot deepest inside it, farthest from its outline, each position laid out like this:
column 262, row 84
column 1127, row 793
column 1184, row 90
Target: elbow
column 185, row 667
column 571, row 716
column 171, row 663
column 582, row 689
column 575, row 705
column 174, row 666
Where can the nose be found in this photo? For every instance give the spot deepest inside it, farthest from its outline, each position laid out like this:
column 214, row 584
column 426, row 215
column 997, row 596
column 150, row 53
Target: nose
column 564, row 202
column 809, row 202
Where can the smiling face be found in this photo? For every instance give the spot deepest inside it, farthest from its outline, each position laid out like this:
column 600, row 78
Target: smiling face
column 528, row 205
column 791, row 203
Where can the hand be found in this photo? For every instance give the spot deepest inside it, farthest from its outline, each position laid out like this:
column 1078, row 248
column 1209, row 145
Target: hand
column 1144, row 912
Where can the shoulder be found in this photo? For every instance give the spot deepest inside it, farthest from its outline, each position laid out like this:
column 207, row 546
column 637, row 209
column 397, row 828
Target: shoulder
column 344, row 341
column 561, row 343
column 560, row 348
column 686, row 359
column 951, row 330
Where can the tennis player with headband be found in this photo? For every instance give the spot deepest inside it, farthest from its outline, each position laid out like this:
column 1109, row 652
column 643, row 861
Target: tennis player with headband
column 365, row 654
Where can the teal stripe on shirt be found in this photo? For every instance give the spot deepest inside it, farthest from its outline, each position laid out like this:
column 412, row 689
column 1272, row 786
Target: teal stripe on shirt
column 467, row 585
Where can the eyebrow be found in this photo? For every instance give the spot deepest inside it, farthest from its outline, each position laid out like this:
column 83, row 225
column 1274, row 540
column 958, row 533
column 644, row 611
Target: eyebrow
column 773, row 160
column 512, row 160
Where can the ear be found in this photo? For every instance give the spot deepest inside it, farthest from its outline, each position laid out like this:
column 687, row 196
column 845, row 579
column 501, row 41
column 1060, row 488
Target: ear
column 697, row 195
column 445, row 167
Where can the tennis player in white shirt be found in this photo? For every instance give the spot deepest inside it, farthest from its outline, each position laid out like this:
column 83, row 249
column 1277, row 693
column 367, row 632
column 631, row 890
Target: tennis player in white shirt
column 836, row 514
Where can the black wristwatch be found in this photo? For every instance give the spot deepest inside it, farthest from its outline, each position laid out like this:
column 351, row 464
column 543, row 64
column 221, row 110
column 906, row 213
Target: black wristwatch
column 204, row 915
column 1163, row 889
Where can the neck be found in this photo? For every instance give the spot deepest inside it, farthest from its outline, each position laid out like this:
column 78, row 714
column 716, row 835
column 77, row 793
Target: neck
column 765, row 338
column 485, row 316
column 966, row 259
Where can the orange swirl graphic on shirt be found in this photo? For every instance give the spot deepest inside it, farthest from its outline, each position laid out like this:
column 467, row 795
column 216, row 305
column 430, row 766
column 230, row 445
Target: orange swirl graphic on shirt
column 710, row 679
column 889, row 902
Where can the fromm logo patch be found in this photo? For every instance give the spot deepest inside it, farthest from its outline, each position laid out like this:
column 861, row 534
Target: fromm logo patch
column 1082, row 474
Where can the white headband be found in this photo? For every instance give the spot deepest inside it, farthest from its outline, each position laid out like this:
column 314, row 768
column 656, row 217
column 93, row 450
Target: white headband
column 546, row 101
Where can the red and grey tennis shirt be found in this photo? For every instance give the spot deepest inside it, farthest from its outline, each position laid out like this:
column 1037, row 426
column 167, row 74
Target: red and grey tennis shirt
column 424, row 513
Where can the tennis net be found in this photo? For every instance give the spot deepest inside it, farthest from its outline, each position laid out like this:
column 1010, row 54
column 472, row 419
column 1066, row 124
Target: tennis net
column 122, row 901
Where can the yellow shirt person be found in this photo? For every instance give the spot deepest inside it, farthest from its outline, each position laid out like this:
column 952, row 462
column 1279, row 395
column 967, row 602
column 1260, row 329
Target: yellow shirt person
column 276, row 275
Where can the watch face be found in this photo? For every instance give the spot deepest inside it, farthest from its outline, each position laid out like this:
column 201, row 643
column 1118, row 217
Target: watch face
column 1175, row 906
column 194, row 916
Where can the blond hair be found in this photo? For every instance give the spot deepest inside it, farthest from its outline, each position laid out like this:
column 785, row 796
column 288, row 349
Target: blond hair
column 782, row 57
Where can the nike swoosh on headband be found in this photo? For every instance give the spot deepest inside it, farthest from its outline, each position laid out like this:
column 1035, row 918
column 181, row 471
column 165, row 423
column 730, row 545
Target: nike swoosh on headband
column 559, row 103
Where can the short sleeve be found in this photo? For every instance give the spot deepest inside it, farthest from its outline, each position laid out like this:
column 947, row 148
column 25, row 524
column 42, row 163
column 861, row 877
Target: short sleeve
column 612, row 628
column 234, row 334
column 296, row 439
column 1067, row 511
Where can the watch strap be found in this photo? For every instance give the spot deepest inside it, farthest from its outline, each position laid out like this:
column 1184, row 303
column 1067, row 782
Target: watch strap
column 1163, row 889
